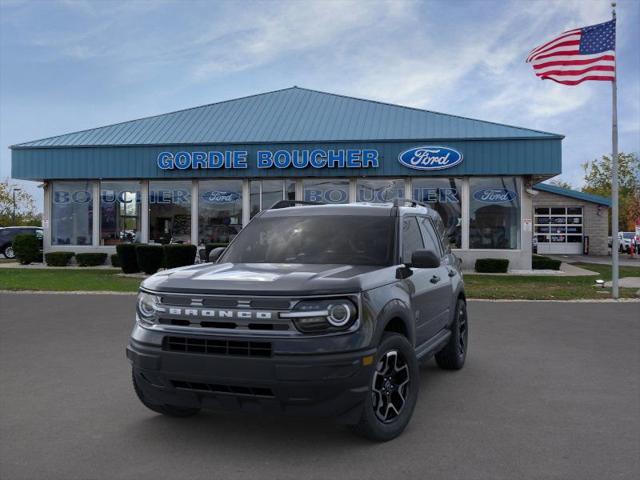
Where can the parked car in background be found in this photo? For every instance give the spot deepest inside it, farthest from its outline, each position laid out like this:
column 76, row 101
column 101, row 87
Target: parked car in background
column 625, row 240
column 7, row 234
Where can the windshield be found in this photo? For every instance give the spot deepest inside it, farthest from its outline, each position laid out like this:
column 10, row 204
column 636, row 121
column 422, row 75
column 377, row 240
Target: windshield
column 340, row 239
column 628, row 234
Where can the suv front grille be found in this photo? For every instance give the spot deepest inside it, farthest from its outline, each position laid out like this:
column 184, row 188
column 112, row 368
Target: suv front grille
column 215, row 388
column 209, row 346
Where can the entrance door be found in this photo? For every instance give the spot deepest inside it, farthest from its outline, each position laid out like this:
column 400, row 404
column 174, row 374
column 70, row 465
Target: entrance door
column 559, row 230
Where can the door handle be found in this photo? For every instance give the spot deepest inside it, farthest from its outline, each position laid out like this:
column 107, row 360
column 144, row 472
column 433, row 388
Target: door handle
column 435, row 279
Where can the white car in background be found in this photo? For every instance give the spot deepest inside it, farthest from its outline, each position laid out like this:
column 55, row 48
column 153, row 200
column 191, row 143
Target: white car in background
column 625, row 239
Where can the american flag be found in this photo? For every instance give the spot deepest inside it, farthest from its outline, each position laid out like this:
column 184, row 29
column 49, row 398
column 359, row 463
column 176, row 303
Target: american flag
column 587, row 53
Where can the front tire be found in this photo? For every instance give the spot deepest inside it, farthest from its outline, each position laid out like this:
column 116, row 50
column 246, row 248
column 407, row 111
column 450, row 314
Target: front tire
column 453, row 355
column 393, row 391
column 169, row 410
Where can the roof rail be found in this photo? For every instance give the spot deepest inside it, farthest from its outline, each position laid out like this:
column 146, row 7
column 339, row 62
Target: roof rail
column 293, row 203
column 401, row 202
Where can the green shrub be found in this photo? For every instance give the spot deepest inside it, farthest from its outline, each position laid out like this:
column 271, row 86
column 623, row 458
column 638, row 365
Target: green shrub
column 128, row 257
column 539, row 262
column 177, row 255
column 58, row 259
column 210, row 246
column 27, row 248
column 492, row 265
column 90, row 259
column 149, row 258
column 115, row 260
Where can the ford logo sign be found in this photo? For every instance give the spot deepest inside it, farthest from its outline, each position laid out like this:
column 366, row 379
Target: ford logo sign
column 219, row 197
column 495, row 195
column 430, row 158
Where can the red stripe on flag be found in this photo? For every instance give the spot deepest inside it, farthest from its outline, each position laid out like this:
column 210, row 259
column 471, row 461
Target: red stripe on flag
column 557, row 45
column 565, row 34
column 600, row 68
column 569, row 51
column 574, row 62
column 576, row 82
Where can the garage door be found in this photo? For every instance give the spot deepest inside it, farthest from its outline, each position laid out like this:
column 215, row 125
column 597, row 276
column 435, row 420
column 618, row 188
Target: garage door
column 558, row 229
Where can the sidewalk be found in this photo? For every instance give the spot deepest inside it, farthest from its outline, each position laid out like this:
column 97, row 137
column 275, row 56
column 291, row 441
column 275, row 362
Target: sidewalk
column 566, row 270
column 624, row 259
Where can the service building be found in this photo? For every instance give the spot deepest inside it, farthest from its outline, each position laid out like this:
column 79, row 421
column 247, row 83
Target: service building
column 198, row 175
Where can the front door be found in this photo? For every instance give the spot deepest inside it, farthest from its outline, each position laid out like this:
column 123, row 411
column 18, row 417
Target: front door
column 428, row 287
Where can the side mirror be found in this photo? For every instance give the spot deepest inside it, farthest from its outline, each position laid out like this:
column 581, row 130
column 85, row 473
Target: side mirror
column 424, row 259
column 214, row 255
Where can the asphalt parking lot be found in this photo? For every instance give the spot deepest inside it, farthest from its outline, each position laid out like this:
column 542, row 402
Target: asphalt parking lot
column 550, row 390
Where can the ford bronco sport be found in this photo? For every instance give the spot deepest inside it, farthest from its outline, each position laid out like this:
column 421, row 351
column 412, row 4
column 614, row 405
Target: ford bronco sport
column 311, row 310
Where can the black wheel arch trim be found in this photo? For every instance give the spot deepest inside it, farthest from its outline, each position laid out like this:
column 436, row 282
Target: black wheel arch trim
column 395, row 309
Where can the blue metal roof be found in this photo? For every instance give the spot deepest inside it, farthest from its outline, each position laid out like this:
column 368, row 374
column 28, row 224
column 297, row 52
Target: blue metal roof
column 291, row 115
column 565, row 192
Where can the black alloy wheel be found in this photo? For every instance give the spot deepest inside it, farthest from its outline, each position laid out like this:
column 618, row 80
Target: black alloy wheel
column 454, row 353
column 391, row 386
column 394, row 387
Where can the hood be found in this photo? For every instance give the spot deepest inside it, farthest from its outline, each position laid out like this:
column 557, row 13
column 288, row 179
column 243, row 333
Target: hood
column 270, row 279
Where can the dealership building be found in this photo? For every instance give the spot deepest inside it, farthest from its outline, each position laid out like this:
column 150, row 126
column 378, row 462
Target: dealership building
column 198, row 175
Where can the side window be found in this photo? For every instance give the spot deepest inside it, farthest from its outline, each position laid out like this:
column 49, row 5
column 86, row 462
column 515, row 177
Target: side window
column 431, row 241
column 411, row 238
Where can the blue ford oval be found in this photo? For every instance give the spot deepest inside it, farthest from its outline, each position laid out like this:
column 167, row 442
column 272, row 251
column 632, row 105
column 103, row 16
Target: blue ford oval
column 430, row 158
column 219, row 197
column 495, row 195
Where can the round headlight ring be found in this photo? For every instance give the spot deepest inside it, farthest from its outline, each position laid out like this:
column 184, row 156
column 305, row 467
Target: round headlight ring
column 340, row 314
column 146, row 305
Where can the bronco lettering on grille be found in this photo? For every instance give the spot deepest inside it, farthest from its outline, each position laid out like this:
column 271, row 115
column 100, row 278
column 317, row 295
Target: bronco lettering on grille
column 210, row 312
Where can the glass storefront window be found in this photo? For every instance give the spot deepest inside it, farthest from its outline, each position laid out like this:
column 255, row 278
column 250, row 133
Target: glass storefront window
column 254, row 198
column 444, row 196
column 71, row 213
column 264, row 193
column 219, row 210
column 494, row 213
column 290, row 189
column 326, row 190
column 119, row 212
column 379, row 190
column 170, row 212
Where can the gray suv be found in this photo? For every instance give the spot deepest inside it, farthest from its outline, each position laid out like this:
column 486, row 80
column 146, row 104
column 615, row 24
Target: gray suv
column 321, row 310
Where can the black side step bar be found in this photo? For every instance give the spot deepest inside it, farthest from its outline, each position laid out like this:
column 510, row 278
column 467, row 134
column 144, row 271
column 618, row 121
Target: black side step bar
column 429, row 348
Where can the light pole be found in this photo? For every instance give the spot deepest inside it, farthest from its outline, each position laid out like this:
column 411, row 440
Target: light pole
column 14, row 203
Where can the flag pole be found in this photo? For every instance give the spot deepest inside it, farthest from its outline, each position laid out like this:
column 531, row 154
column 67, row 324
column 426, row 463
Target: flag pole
column 614, row 177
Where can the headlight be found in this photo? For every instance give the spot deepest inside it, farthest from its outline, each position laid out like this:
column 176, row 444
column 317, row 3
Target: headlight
column 146, row 307
column 310, row 316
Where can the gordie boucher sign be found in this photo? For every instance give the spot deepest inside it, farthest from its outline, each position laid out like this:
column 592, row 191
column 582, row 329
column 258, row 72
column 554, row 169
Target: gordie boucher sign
column 417, row 158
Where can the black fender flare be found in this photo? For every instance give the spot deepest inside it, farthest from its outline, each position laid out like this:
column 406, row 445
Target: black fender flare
column 395, row 309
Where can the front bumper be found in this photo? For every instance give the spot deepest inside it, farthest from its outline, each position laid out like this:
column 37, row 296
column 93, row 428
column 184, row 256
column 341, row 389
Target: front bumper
column 323, row 384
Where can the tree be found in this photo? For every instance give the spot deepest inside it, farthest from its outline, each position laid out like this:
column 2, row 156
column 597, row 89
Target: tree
column 597, row 179
column 558, row 182
column 25, row 207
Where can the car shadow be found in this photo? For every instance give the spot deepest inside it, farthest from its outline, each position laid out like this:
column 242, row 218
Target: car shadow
column 240, row 430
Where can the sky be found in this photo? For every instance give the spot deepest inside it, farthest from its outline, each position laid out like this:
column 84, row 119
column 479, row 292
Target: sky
column 72, row 65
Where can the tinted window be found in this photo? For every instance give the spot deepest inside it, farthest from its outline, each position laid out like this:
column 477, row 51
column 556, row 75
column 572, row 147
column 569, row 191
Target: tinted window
column 348, row 240
column 431, row 241
column 411, row 238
